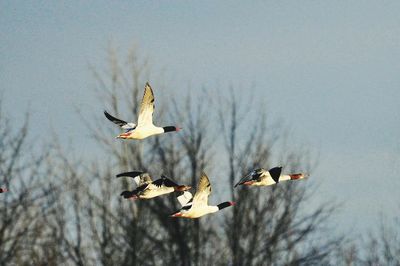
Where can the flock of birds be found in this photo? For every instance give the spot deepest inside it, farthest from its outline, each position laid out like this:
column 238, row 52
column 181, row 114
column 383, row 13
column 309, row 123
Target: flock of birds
column 192, row 206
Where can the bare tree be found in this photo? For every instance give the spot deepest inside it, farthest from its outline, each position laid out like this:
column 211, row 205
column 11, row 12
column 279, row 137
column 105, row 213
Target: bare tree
column 64, row 208
column 381, row 247
column 269, row 225
column 93, row 225
column 21, row 171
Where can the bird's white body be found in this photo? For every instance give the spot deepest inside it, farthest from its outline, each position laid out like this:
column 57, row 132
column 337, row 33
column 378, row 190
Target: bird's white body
column 144, row 131
column 147, row 188
column 197, row 206
column 153, row 191
column 198, row 211
column 266, row 180
column 263, row 177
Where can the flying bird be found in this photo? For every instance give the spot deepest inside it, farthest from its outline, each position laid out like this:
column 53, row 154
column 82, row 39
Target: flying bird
column 2, row 190
column 263, row 177
column 144, row 127
column 147, row 189
column 197, row 206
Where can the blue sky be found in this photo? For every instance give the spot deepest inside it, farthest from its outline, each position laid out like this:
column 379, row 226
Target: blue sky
column 328, row 69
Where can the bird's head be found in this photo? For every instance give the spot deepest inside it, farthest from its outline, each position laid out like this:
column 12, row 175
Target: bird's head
column 182, row 188
column 225, row 204
column 171, row 129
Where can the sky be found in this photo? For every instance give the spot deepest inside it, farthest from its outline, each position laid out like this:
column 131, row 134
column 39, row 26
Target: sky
column 328, row 69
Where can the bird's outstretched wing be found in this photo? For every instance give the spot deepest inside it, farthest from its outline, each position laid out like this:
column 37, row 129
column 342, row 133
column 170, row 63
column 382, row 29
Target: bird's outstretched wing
column 165, row 181
column 146, row 107
column 123, row 124
column 140, row 177
column 254, row 175
column 203, row 191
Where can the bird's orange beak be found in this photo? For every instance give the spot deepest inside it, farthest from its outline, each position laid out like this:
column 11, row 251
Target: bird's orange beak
column 298, row 176
column 178, row 214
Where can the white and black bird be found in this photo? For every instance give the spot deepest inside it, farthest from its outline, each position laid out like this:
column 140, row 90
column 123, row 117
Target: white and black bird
column 147, row 189
column 197, row 206
column 263, row 177
column 144, row 127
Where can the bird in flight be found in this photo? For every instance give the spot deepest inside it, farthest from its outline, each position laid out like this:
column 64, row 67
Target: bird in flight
column 147, row 188
column 263, row 177
column 197, row 206
column 144, row 127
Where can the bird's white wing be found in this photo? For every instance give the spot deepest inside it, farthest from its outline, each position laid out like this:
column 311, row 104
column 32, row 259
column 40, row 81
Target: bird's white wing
column 146, row 107
column 185, row 198
column 254, row 175
column 203, row 191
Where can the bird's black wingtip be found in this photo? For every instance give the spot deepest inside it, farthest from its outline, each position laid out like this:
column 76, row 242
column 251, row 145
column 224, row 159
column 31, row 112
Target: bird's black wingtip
column 123, row 174
column 107, row 115
column 132, row 174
